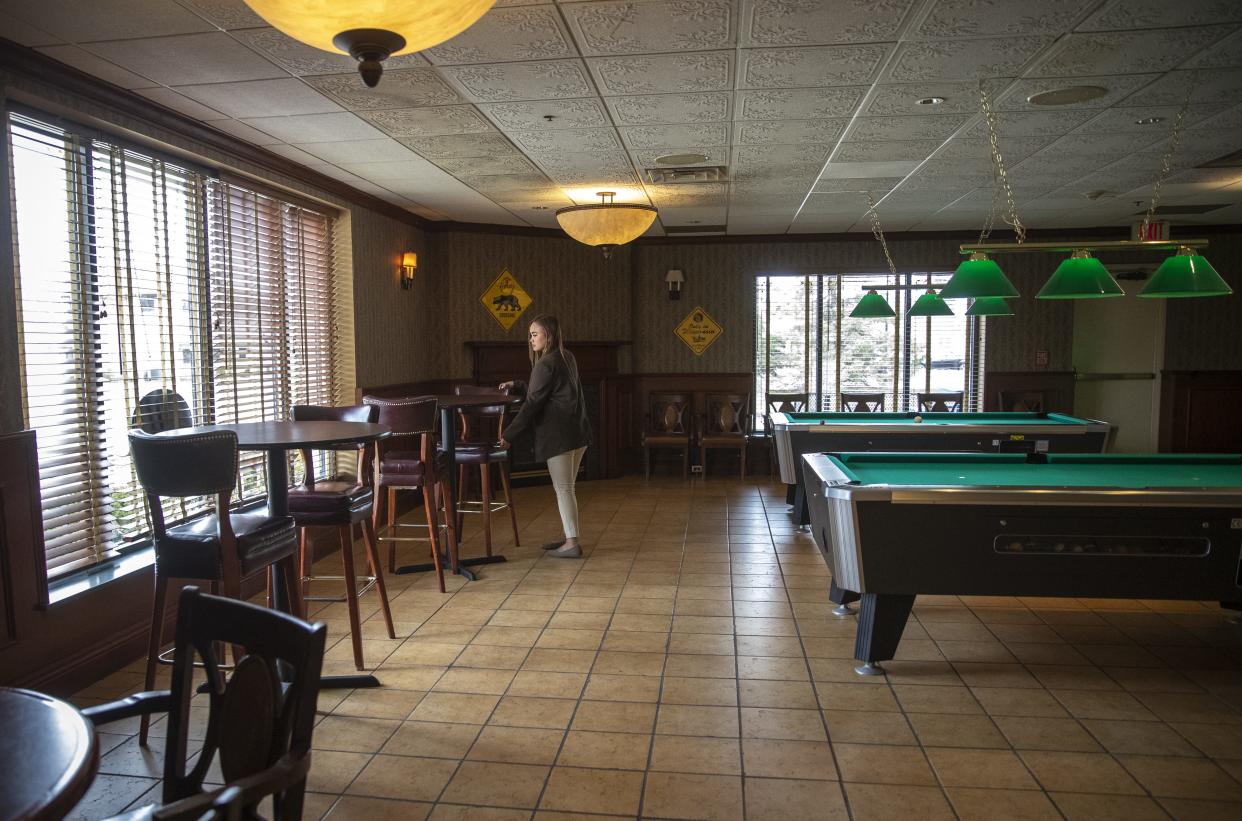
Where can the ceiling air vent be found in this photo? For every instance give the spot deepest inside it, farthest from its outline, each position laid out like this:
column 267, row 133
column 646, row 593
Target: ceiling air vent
column 1172, row 210
column 686, row 174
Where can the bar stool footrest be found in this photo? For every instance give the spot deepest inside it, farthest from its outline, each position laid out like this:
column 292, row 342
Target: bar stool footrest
column 367, row 582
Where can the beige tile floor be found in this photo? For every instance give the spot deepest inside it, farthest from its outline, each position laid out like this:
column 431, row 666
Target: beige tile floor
column 688, row 667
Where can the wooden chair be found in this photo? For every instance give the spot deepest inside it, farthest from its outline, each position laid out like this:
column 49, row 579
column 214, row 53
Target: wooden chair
column 725, row 427
column 667, row 426
column 1020, row 401
column 478, row 443
column 950, row 402
column 862, row 402
column 259, row 727
column 409, row 460
column 220, row 549
column 342, row 501
column 781, row 403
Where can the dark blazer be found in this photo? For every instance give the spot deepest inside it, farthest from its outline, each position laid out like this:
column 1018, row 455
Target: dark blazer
column 554, row 407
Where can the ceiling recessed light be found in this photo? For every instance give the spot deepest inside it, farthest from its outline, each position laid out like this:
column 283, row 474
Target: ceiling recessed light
column 1067, row 96
column 681, row 159
column 930, row 101
column 1149, row 121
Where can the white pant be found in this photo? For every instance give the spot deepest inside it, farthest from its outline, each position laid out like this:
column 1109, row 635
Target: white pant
column 563, row 468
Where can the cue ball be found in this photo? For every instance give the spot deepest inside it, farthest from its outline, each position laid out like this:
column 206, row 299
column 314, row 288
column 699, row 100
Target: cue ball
column 918, row 419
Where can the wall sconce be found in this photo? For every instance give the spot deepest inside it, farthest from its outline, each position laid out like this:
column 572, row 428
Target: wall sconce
column 674, row 279
column 409, row 262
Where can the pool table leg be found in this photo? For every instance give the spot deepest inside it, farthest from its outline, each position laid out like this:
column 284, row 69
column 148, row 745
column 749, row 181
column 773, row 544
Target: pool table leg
column 881, row 621
column 841, row 598
column 801, row 510
column 791, row 493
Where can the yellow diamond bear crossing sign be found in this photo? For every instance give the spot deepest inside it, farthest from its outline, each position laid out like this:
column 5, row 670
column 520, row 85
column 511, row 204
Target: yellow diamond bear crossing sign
column 698, row 331
column 505, row 300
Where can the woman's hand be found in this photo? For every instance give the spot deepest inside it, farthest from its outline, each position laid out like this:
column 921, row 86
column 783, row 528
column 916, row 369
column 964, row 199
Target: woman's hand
column 504, row 443
column 506, row 386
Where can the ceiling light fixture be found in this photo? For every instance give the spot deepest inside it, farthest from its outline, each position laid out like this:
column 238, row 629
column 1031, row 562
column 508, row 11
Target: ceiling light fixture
column 930, row 101
column 1068, row 95
column 1185, row 274
column 989, row 306
column 1082, row 276
column 1149, row 121
column 978, row 277
column 872, row 306
column 606, row 224
column 371, row 31
column 930, row 304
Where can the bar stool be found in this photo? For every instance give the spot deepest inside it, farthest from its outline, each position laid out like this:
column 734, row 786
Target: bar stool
column 221, row 548
column 409, row 460
column 479, row 444
column 341, row 501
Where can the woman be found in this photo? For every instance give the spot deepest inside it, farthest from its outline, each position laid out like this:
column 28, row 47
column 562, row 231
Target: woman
column 556, row 409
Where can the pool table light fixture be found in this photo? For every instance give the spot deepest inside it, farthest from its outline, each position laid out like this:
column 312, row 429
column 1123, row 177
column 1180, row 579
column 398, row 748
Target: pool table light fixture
column 978, row 277
column 1185, row 274
column 930, row 304
column 989, row 306
column 1082, row 276
column 872, row 306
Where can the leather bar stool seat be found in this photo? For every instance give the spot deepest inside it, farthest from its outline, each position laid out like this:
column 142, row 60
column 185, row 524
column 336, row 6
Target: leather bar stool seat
column 406, row 467
column 332, row 500
column 481, row 454
column 192, row 550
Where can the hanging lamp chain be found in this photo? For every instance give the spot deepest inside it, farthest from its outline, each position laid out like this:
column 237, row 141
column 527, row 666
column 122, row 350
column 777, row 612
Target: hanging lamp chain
column 998, row 166
column 878, row 232
column 1166, row 162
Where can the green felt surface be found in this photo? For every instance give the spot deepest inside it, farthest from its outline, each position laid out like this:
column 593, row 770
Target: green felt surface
column 1067, row 470
column 933, row 419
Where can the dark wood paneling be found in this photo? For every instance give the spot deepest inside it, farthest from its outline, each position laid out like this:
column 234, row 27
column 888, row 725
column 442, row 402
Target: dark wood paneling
column 1201, row 412
column 1056, row 386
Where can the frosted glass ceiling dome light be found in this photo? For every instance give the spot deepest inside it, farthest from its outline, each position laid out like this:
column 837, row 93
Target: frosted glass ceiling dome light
column 371, row 31
column 606, row 224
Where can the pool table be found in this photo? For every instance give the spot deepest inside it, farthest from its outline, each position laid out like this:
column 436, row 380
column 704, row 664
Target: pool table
column 796, row 434
column 894, row 525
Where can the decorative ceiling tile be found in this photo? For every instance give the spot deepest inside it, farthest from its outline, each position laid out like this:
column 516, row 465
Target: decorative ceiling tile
column 1118, row 86
column 459, row 145
column 664, row 73
column 975, row 18
column 799, row 104
column 1220, row 86
column 542, row 80
column 227, row 14
column 675, row 136
column 788, row 132
column 1224, row 53
column 1228, row 122
column 705, row 107
column 83, row 60
column 1144, row 14
column 509, row 183
column 808, row 22
column 348, row 152
column 906, row 128
column 1033, row 123
column 506, row 35
column 1012, row 148
column 715, row 155
column 191, row 108
column 616, row 161
column 886, row 151
column 313, row 128
column 575, row 139
column 1128, row 119
column 1115, row 145
column 748, row 158
column 428, row 122
column 811, row 67
column 688, row 195
column 966, row 59
column 902, row 98
column 484, row 166
column 1125, row 52
column 872, row 184
column 404, row 88
column 598, row 180
column 187, row 59
column 651, row 26
column 535, row 115
column 80, row 22
column 392, row 170
column 299, row 58
column 260, row 98
column 974, row 170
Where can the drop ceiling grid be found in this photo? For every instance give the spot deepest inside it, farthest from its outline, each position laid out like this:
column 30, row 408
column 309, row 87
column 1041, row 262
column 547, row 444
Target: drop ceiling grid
column 815, row 104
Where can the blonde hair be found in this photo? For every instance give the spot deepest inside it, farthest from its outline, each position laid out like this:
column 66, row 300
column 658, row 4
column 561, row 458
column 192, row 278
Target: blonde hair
column 552, row 327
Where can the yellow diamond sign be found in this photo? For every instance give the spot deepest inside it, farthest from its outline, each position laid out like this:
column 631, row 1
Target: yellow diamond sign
column 698, row 331
column 505, row 300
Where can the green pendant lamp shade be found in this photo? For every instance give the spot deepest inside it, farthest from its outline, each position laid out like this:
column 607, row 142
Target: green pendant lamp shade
column 1185, row 274
column 978, row 277
column 930, row 304
column 1082, row 276
column 989, row 306
column 872, row 306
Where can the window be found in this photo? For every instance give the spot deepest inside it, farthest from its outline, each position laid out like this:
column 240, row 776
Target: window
column 806, row 342
column 140, row 277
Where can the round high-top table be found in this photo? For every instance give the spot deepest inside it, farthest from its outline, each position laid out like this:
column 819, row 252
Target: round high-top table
column 50, row 756
column 276, row 439
column 449, row 404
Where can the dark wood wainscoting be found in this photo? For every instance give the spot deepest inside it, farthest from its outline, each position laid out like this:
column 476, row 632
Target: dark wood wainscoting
column 1057, row 388
column 1200, row 411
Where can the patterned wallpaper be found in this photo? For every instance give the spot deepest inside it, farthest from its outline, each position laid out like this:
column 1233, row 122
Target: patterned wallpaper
column 1206, row 334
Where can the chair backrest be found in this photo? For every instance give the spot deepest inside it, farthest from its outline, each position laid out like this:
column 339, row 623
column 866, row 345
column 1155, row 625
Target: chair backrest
column 862, row 402
column 192, row 464
column 481, row 424
column 407, row 415
column 726, row 414
column 251, row 727
column 1020, row 401
column 950, row 402
column 323, row 413
column 161, row 410
column 668, row 412
column 788, row 402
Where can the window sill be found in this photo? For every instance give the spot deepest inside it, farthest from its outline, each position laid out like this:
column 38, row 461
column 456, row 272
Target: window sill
column 101, row 574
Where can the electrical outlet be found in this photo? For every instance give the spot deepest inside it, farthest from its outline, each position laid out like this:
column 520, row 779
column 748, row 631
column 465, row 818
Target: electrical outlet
column 696, row 468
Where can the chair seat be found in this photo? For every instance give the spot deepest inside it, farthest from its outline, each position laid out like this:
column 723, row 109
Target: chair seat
column 671, row 439
column 405, row 468
column 480, row 453
column 723, row 440
column 338, row 501
column 192, row 550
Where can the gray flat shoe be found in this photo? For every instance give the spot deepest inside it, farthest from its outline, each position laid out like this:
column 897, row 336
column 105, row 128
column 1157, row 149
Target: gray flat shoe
column 553, row 545
column 566, row 552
